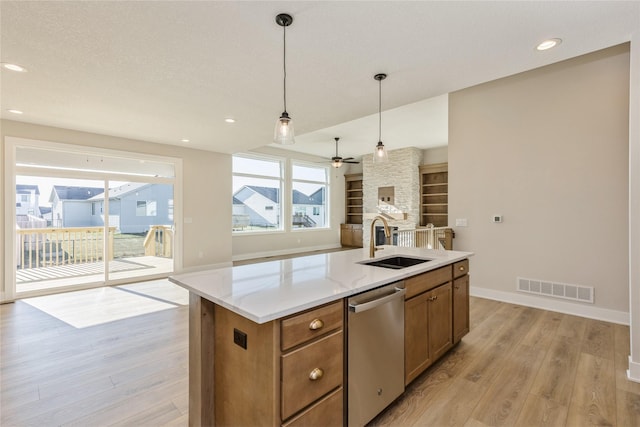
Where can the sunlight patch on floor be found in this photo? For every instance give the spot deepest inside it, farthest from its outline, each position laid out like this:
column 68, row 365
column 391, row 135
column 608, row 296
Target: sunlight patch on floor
column 91, row 307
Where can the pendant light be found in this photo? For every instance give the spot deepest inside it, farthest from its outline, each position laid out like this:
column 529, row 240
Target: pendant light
column 284, row 126
column 379, row 153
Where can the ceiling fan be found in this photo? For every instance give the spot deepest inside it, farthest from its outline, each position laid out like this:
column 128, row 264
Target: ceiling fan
column 337, row 161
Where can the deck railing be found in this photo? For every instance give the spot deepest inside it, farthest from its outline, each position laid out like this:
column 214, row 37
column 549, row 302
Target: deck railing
column 427, row 237
column 159, row 241
column 43, row 247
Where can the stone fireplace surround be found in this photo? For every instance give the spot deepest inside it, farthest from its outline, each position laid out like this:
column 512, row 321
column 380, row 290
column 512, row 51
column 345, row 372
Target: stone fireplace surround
column 400, row 172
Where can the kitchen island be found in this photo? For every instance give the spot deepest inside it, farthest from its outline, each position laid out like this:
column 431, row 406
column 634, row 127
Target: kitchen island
column 266, row 340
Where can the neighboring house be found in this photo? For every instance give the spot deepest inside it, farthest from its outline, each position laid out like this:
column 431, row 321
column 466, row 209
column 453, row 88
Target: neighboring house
column 260, row 207
column 134, row 207
column 260, row 204
column 46, row 214
column 69, row 207
column 309, row 211
column 27, row 200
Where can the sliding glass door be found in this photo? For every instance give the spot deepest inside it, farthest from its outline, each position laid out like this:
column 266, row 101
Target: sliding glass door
column 85, row 219
column 141, row 223
column 58, row 242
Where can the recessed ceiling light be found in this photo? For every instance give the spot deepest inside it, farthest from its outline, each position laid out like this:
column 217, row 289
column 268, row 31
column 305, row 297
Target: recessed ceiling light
column 230, row 120
column 15, row 111
column 14, row 67
column 184, row 140
column 548, row 44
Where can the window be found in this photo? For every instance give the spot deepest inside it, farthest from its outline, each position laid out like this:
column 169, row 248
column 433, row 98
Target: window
column 146, row 208
column 309, row 196
column 257, row 186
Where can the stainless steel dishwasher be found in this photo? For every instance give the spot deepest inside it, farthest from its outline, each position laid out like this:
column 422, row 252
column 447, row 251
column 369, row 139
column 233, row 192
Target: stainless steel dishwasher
column 375, row 337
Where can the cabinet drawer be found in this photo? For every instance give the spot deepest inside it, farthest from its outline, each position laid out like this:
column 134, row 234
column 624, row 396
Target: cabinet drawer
column 310, row 372
column 327, row 412
column 423, row 282
column 461, row 268
column 311, row 324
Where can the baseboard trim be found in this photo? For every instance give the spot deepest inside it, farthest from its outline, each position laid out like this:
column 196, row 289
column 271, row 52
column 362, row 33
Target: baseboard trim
column 588, row 311
column 633, row 373
column 289, row 251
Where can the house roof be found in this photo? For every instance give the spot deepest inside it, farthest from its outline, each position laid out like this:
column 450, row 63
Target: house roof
column 270, row 193
column 317, row 198
column 44, row 210
column 24, row 189
column 76, row 193
column 299, row 198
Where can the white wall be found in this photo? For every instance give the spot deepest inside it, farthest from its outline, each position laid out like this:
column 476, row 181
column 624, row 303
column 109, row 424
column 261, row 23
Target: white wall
column 547, row 149
column 206, row 188
column 251, row 245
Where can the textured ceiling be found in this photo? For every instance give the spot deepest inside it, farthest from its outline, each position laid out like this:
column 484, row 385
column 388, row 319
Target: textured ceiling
column 164, row 71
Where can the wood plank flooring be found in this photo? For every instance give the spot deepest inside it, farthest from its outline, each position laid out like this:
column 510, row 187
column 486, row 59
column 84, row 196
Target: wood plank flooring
column 517, row 367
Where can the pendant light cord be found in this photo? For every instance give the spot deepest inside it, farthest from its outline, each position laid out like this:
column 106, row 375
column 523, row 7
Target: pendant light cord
column 284, row 65
column 379, row 110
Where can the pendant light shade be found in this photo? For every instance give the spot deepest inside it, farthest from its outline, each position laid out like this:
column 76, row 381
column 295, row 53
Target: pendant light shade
column 284, row 133
column 380, row 153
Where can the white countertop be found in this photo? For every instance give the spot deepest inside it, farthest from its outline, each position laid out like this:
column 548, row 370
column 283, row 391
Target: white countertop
column 270, row 290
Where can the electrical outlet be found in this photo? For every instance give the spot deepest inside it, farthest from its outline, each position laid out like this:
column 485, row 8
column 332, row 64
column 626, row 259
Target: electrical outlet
column 240, row 338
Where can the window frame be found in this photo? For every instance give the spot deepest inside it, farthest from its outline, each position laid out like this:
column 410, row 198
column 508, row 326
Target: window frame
column 282, row 203
column 326, row 184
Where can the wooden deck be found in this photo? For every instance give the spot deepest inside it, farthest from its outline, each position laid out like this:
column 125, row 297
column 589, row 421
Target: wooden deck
column 33, row 279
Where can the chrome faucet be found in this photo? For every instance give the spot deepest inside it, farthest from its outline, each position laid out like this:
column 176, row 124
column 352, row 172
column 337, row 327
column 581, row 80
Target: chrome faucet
column 387, row 234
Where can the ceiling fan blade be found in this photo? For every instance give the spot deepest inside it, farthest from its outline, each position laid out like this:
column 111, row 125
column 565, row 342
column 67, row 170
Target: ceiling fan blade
column 350, row 161
column 348, row 158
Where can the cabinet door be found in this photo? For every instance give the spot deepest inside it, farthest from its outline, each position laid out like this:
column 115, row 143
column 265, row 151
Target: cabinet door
column 440, row 319
column 346, row 235
column 357, row 237
column 460, row 308
column 416, row 336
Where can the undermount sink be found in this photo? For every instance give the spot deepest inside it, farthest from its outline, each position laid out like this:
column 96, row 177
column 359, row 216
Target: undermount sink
column 396, row 262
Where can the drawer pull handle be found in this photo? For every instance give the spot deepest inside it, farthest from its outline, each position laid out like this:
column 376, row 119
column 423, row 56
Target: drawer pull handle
column 316, row 324
column 433, row 298
column 316, row 374
column 461, row 268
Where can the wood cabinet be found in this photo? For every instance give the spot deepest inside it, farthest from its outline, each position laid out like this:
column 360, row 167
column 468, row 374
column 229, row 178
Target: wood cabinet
column 284, row 372
column 290, row 371
column 351, row 235
column 428, row 320
column 434, row 194
column 460, row 300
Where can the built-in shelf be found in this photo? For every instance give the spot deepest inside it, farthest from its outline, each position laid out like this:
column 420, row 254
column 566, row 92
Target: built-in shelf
column 351, row 231
column 434, row 195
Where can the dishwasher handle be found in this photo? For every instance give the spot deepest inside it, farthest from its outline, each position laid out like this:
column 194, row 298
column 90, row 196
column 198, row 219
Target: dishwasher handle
column 358, row 308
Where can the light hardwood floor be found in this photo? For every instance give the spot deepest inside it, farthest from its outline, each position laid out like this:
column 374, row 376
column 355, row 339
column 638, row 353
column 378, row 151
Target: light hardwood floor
column 517, row 367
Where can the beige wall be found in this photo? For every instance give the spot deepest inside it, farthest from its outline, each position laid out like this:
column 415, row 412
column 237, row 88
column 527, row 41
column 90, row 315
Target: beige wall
column 265, row 244
column 435, row 155
column 206, row 187
column 548, row 150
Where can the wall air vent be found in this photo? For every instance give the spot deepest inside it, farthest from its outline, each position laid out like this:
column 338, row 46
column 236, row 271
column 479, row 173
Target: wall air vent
column 555, row 290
